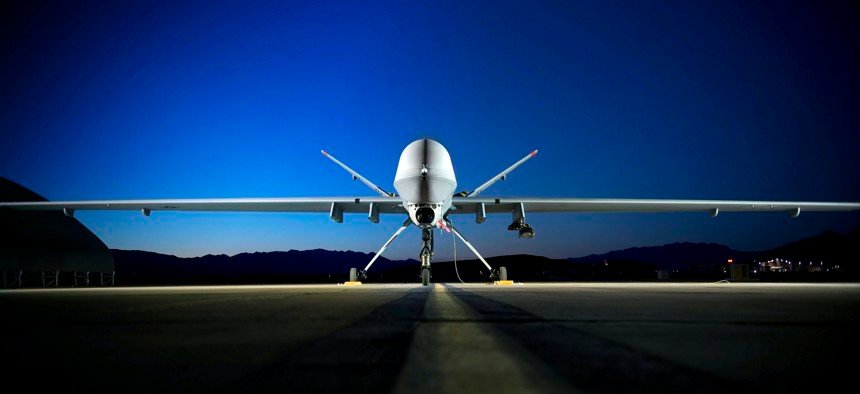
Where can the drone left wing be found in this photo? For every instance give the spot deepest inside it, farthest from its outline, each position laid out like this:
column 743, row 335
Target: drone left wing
column 335, row 206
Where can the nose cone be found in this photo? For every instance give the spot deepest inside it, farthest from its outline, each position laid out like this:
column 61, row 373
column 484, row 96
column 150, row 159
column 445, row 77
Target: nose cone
column 425, row 173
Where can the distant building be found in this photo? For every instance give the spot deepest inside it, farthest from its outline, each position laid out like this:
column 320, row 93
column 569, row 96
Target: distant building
column 40, row 247
column 785, row 265
column 740, row 271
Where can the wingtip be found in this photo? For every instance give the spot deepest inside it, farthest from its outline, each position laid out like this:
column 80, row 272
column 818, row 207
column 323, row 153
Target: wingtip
column 534, row 153
column 324, row 152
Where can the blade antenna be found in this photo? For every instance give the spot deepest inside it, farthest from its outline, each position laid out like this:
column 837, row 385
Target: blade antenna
column 502, row 175
column 358, row 176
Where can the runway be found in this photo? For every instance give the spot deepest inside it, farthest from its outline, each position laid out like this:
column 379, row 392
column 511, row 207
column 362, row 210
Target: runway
column 597, row 337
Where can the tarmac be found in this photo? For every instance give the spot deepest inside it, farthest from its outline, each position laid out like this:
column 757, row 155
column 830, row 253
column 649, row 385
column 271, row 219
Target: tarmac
column 592, row 337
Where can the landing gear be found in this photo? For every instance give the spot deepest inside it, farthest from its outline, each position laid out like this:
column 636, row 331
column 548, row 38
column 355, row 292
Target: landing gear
column 426, row 254
column 357, row 275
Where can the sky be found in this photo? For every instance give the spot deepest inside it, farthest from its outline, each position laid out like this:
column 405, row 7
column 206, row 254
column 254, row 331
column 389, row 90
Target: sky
column 686, row 99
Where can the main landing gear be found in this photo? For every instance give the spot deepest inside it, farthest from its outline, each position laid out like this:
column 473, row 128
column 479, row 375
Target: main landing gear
column 426, row 255
column 356, row 275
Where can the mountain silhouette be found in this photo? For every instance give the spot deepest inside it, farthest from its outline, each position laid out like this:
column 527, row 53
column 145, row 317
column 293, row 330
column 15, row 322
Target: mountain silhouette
column 136, row 267
column 686, row 260
column 680, row 256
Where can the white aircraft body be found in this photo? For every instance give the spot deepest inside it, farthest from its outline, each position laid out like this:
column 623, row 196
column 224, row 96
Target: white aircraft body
column 426, row 192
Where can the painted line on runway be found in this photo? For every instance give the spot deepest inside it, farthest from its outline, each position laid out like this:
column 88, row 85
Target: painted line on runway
column 453, row 351
column 586, row 361
column 365, row 356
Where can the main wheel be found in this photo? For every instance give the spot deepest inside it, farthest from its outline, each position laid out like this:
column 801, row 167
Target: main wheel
column 353, row 274
column 425, row 276
column 503, row 273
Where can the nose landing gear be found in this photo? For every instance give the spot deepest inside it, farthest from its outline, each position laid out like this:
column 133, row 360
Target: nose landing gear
column 426, row 254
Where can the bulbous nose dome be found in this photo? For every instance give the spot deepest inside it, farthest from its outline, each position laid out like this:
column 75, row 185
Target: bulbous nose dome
column 425, row 173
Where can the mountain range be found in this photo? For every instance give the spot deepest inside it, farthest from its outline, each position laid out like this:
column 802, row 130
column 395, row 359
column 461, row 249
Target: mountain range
column 685, row 261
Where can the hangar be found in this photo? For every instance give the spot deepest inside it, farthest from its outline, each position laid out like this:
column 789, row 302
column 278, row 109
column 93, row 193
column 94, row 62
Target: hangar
column 48, row 248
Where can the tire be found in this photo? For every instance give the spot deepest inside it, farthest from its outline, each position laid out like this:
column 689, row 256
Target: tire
column 425, row 276
column 503, row 273
column 353, row 274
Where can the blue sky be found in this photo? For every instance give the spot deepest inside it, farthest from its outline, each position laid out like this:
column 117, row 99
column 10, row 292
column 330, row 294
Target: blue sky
column 664, row 100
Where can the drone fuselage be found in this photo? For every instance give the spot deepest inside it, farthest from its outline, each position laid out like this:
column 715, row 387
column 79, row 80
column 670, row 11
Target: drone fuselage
column 425, row 181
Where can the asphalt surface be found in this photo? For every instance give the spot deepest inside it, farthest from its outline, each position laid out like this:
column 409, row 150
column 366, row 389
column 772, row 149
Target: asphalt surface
column 451, row 337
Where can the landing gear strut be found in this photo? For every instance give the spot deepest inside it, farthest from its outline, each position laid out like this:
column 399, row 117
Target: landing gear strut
column 426, row 254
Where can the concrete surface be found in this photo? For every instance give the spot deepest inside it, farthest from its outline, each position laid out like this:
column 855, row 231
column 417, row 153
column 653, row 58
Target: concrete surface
column 445, row 338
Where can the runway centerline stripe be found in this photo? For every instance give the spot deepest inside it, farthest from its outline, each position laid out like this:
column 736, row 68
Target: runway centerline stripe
column 586, row 361
column 453, row 351
column 365, row 356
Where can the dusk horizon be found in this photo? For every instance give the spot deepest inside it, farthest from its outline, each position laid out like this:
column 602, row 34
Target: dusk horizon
column 684, row 102
column 463, row 253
